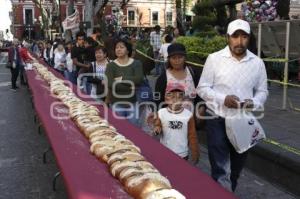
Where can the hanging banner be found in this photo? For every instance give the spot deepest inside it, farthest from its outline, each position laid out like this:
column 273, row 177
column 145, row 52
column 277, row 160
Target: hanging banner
column 71, row 21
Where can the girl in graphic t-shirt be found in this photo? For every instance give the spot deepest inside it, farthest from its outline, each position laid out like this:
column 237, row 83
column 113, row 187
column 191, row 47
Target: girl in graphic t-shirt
column 176, row 124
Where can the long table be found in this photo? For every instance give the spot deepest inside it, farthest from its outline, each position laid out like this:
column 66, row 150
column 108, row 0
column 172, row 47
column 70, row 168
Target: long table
column 85, row 177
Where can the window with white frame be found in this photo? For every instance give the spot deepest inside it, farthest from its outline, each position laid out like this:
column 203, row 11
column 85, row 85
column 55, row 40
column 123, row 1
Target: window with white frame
column 48, row 12
column 75, row 7
column 131, row 17
column 295, row 2
column 154, row 18
column 169, row 16
column 28, row 15
column 114, row 10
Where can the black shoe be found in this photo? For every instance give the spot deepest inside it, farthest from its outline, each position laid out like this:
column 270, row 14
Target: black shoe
column 24, row 83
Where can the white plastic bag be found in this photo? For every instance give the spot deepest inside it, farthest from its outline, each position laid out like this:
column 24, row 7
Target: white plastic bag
column 243, row 130
column 145, row 112
column 28, row 66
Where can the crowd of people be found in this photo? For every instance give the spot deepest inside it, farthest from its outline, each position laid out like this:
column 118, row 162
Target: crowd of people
column 107, row 70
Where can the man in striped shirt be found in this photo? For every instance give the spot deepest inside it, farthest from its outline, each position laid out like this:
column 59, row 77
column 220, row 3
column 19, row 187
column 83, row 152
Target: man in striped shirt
column 155, row 42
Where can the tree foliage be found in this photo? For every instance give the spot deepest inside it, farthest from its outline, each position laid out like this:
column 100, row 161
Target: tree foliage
column 210, row 13
column 283, row 9
column 96, row 8
column 44, row 14
column 206, row 16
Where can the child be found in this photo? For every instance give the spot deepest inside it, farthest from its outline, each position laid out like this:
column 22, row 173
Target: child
column 176, row 124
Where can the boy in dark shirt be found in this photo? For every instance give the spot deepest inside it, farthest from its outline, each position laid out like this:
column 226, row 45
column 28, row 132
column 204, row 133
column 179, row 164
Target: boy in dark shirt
column 78, row 53
column 89, row 44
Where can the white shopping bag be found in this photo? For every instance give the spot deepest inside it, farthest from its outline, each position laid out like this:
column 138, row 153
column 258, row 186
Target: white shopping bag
column 243, row 130
column 145, row 112
column 28, row 66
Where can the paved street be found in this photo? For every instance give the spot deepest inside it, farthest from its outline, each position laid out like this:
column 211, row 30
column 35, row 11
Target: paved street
column 24, row 176
column 22, row 173
column 283, row 125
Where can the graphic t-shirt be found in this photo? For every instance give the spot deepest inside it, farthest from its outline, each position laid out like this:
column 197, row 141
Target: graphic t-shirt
column 175, row 130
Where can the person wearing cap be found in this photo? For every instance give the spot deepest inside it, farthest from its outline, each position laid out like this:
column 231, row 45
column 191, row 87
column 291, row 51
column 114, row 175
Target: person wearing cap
column 177, row 71
column 176, row 124
column 231, row 77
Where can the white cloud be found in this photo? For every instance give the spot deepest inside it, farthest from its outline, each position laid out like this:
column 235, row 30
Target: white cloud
column 5, row 8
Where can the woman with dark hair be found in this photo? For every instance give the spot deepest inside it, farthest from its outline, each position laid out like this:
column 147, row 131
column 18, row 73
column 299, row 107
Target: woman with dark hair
column 124, row 75
column 178, row 72
column 98, row 69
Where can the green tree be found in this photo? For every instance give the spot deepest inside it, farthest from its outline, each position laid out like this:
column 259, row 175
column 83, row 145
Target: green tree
column 214, row 12
column 181, row 6
column 100, row 8
column 44, row 15
column 206, row 16
column 283, row 9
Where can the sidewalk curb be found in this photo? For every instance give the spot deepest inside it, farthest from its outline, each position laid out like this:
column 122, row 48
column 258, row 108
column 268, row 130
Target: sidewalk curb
column 272, row 163
column 276, row 165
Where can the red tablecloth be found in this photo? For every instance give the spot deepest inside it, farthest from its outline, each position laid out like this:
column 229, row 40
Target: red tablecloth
column 87, row 178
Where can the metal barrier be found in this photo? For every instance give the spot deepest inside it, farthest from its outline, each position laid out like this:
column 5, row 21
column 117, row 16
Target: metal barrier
column 285, row 84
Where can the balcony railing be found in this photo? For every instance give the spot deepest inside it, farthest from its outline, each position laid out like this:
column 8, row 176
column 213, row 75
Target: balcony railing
column 131, row 22
column 154, row 22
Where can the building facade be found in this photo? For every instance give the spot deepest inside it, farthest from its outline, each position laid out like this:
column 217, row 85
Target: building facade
column 143, row 13
column 26, row 16
column 27, row 21
column 295, row 9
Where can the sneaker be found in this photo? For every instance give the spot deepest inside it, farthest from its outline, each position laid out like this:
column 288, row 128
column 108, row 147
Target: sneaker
column 14, row 89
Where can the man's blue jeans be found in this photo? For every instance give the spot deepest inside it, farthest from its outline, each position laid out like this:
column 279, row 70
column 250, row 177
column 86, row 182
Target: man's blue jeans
column 158, row 63
column 127, row 111
column 226, row 163
column 71, row 76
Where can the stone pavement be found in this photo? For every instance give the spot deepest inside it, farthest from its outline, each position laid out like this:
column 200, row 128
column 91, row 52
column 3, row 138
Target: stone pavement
column 24, row 176
column 250, row 185
column 283, row 125
column 22, row 173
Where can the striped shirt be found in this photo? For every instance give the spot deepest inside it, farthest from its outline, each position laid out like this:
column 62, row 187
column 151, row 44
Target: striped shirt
column 155, row 41
column 99, row 70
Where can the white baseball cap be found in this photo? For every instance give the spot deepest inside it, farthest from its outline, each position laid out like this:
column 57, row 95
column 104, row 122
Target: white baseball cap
column 238, row 24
